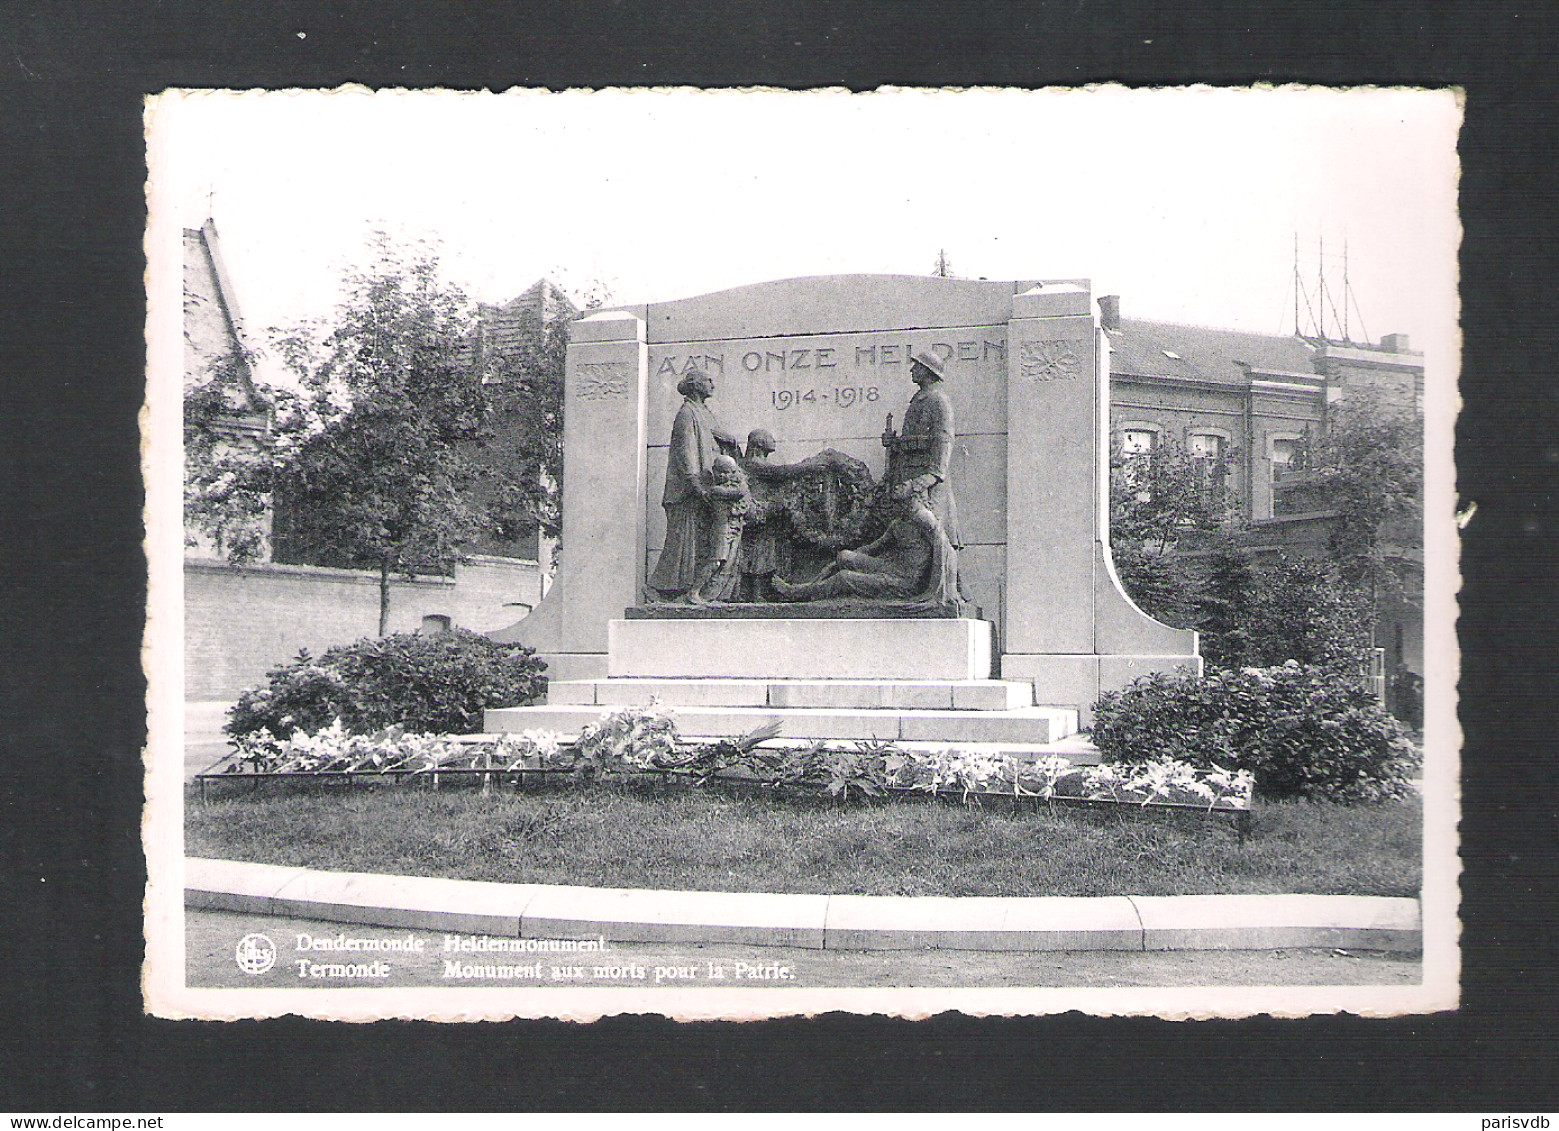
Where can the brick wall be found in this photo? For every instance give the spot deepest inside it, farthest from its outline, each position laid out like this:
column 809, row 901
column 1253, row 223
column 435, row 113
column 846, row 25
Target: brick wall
column 491, row 593
column 240, row 622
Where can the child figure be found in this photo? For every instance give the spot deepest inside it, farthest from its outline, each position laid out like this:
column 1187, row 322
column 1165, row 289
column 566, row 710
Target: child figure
column 729, row 503
column 761, row 552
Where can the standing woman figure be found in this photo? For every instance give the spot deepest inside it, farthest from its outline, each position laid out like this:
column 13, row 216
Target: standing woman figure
column 690, row 513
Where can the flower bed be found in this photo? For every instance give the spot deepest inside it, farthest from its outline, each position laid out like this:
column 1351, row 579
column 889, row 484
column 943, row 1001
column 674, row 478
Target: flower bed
column 640, row 742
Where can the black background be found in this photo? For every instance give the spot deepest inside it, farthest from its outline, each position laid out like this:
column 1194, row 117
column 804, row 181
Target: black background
column 72, row 170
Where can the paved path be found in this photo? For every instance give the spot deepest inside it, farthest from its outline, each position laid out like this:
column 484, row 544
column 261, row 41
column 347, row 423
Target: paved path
column 816, row 922
column 204, row 741
column 211, row 940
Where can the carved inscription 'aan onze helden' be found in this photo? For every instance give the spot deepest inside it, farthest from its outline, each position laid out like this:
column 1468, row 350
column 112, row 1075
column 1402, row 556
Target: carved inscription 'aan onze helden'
column 817, row 377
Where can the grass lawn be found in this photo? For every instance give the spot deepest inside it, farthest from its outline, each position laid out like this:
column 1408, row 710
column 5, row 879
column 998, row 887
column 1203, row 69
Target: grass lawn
column 709, row 840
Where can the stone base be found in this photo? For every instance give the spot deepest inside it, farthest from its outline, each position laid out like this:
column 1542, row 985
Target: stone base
column 1075, row 681
column 861, row 649
column 1024, row 727
column 564, row 666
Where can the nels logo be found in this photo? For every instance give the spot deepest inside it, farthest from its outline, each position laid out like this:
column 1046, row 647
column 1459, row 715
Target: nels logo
column 256, row 954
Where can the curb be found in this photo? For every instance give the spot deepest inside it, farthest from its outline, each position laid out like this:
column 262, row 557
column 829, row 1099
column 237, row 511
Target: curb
column 815, row 922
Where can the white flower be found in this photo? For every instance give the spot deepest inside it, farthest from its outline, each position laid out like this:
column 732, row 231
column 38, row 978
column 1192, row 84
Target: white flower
column 1199, row 789
column 1050, row 770
column 1234, row 787
column 1103, row 776
column 545, row 743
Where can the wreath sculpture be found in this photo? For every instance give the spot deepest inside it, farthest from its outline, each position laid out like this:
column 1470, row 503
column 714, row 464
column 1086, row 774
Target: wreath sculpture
column 830, row 499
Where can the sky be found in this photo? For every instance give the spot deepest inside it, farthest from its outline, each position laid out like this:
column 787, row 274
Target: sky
column 1186, row 203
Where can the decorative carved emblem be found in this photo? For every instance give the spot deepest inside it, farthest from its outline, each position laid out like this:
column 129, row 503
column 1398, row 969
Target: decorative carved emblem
column 1048, row 361
column 601, row 380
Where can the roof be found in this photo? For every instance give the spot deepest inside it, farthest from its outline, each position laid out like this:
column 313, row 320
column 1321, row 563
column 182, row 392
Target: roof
column 543, row 298
column 213, row 328
column 1199, row 353
column 502, row 327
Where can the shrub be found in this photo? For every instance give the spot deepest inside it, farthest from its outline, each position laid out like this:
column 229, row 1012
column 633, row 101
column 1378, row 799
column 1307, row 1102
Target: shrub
column 1302, row 731
column 1228, row 609
column 437, row 684
column 1159, row 585
column 1308, row 615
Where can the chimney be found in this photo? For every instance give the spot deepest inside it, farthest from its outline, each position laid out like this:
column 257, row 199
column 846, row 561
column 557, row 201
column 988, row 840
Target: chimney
column 1394, row 343
column 1110, row 311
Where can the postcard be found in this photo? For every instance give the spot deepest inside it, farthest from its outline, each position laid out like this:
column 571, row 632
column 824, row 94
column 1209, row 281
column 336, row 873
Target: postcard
column 753, row 553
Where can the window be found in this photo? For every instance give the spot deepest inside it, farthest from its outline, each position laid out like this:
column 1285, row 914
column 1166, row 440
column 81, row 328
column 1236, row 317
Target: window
column 1138, row 441
column 1206, row 446
column 1209, row 452
column 1283, row 455
column 1137, row 444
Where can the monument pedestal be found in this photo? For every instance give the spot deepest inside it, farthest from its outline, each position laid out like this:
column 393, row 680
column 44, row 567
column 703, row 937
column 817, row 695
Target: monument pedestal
column 921, row 682
column 777, row 648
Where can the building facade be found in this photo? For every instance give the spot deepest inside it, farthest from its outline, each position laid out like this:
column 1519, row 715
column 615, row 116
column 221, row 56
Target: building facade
column 218, row 370
column 1254, row 402
column 510, row 342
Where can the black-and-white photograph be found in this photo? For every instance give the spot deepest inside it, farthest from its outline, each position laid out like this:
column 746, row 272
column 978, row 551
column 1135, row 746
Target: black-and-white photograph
column 741, row 554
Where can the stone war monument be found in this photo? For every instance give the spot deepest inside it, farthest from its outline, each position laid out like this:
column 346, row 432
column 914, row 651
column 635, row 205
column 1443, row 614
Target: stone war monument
column 747, row 534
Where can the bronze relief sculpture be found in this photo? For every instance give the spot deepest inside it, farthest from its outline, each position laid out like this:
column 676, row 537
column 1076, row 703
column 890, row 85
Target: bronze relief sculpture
column 747, row 532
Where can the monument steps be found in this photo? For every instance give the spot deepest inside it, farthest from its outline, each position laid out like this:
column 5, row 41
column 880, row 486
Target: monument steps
column 1022, row 726
column 1075, row 748
column 891, row 695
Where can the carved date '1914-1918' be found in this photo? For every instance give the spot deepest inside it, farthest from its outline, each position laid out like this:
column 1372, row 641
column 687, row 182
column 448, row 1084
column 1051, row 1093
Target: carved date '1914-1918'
column 840, row 396
column 601, row 380
column 1048, row 361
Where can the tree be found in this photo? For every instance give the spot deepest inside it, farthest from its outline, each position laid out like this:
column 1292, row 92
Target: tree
column 1369, row 467
column 1366, row 469
column 390, row 481
column 1307, row 614
column 1228, row 610
column 1290, row 608
column 1155, row 498
column 376, row 458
